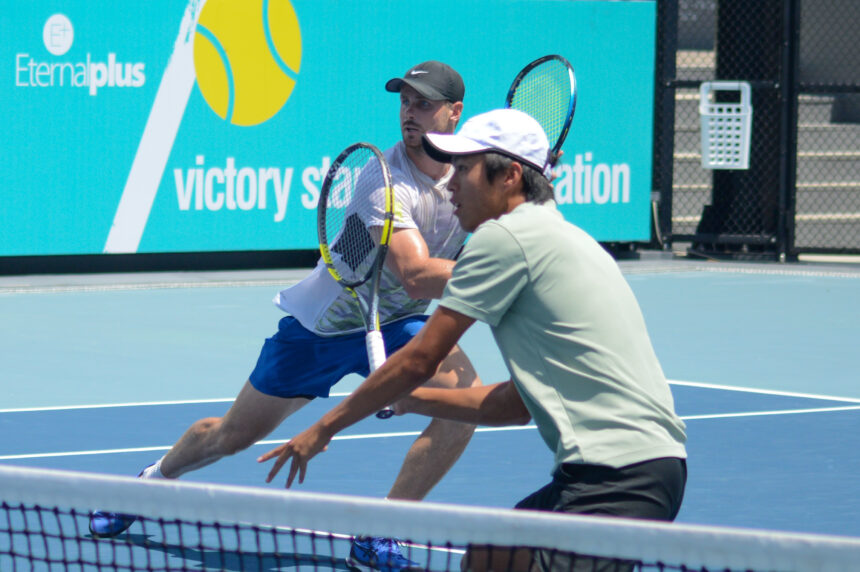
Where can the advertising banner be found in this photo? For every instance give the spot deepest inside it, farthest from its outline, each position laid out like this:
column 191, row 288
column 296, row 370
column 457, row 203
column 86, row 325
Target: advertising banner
column 202, row 126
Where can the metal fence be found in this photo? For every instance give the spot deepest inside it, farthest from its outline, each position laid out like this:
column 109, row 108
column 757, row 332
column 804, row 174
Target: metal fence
column 801, row 192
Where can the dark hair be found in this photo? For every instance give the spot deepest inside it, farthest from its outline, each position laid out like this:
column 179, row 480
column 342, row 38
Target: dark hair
column 536, row 187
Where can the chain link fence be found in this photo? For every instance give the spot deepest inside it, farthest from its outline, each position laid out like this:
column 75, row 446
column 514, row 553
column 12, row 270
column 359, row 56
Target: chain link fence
column 828, row 163
column 801, row 192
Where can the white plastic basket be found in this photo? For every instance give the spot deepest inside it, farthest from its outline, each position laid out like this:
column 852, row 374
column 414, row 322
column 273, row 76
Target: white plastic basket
column 726, row 127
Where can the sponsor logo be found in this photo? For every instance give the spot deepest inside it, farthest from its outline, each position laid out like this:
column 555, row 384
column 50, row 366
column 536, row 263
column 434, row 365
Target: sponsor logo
column 58, row 36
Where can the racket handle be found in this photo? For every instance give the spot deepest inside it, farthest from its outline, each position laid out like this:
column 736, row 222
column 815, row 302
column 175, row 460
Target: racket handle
column 386, row 413
column 375, row 358
column 375, row 350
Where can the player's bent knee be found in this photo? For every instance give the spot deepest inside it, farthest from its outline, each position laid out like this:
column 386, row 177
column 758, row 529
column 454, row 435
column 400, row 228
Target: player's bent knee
column 204, row 427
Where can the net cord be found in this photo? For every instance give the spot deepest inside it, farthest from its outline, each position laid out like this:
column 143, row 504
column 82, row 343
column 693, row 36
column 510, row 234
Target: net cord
column 691, row 545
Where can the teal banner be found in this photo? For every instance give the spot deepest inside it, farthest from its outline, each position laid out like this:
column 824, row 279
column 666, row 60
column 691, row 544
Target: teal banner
column 168, row 126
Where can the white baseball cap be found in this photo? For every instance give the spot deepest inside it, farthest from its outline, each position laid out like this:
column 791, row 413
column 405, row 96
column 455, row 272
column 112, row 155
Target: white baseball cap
column 508, row 131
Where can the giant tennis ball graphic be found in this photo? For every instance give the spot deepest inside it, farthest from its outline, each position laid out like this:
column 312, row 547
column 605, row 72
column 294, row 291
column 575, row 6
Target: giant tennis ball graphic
column 247, row 55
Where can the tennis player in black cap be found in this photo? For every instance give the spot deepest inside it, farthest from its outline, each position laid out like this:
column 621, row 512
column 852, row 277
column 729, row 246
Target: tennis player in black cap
column 322, row 338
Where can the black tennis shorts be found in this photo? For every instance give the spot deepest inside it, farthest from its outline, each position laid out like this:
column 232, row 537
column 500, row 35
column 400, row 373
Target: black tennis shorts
column 650, row 490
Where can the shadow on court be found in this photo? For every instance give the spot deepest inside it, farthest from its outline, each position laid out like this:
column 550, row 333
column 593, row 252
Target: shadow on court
column 210, row 559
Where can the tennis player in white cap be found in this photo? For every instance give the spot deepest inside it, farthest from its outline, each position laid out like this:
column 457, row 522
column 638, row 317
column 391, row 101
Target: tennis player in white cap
column 568, row 327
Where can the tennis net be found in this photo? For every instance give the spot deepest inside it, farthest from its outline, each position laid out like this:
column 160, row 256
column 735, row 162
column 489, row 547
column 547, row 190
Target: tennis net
column 193, row 526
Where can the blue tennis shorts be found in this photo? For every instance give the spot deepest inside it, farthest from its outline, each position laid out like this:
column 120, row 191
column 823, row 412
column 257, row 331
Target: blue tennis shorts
column 296, row 362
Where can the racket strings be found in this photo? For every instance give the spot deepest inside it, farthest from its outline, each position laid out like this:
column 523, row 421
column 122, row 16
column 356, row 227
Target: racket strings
column 545, row 94
column 354, row 245
column 352, row 214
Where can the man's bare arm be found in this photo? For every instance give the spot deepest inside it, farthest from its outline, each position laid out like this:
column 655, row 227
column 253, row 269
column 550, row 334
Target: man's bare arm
column 409, row 259
column 495, row 405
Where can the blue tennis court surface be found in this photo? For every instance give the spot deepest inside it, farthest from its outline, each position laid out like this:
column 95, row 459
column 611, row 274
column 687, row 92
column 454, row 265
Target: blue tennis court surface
column 100, row 374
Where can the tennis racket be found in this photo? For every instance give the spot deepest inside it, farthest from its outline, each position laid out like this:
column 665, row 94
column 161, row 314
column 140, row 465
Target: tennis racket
column 355, row 219
column 546, row 90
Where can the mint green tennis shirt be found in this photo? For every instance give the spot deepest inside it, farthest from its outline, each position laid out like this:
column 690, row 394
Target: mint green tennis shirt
column 572, row 336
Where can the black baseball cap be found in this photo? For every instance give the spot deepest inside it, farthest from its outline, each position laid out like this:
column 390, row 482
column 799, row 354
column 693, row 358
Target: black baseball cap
column 434, row 80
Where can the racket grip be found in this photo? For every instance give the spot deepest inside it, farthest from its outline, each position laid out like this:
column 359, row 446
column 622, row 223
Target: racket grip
column 385, row 413
column 375, row 358
column 375, row 350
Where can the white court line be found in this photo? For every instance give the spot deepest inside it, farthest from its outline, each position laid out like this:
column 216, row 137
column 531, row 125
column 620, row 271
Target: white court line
column 130, row 404
column 416, row 433
column 81, row 453
column 267, row 442
column 776, row 412
column 106, row 406
column 344, row 394
column 762, row 391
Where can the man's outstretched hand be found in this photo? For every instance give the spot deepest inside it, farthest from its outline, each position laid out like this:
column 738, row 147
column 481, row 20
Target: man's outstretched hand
column 301, row 448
